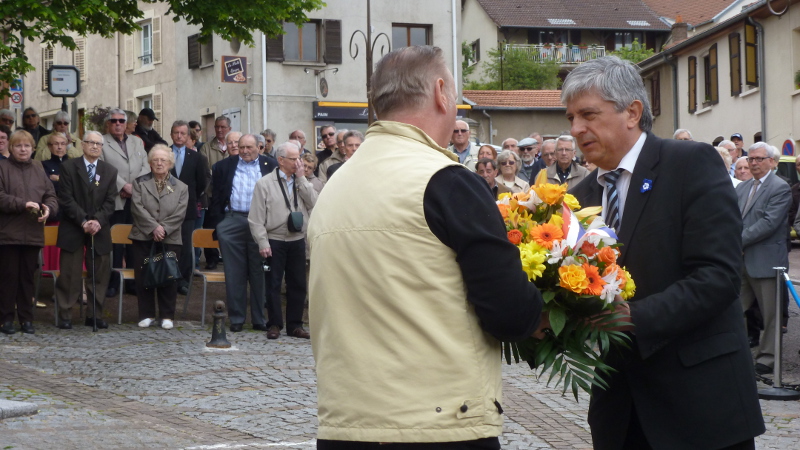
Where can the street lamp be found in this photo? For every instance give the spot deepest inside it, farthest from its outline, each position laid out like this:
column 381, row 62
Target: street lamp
column 370, row 44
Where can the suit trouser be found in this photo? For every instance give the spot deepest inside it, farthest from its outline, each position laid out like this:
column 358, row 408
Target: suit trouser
column 242, row 265
column 289, row 258
column 186, row 251
column 167, row 295
column 122, row 216
column 17, row 267
column 762, row 290
column 70, row 282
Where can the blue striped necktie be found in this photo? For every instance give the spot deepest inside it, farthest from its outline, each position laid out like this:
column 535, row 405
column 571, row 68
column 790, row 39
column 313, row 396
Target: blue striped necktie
column 612, row 199
column 90, row 169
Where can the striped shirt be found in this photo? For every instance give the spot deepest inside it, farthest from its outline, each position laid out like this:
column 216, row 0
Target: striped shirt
column 244, row 181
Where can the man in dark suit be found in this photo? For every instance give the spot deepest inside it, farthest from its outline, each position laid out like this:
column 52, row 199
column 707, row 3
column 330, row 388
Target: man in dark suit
column 687, row 380
column 764, row 203
column 233, row 181
column 190, row 167
column 86, row 198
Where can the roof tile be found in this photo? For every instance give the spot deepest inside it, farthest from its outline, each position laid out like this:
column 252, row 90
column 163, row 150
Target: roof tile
column 587, row 14
column 693, row 12
column 518, row 99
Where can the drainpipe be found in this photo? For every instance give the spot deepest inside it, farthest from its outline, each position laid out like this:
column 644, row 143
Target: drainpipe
column 264, row 79
column 456, row 58
column 762, row 82
column 675, row 105
column 116, row 67
column 491, row 130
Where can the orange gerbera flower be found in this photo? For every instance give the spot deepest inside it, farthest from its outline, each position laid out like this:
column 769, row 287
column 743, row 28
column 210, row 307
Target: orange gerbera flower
column 545, row 234
column 515, row 237
column 504, row 210
column 607, row 255
column 596, row 283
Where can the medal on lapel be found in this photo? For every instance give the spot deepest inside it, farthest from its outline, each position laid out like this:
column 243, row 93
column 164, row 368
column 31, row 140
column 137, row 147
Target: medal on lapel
column 97, row 180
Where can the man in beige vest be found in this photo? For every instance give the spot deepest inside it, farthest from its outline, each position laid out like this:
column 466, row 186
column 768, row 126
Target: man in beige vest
column 406, row 335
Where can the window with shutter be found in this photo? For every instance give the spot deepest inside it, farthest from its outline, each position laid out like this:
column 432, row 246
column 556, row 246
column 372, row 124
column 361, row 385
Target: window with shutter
column 692, row 84
column 301, row 43
column 406, row 35
column 156, row 24
column 194, row 51
column 157, row 111
column 750, row 55
column 79, row 57
column 275, row 49
column 655, row 94
column 128, row 55
column 713, row 79
column 734, row 45
column 333, row 41
column 47, row 62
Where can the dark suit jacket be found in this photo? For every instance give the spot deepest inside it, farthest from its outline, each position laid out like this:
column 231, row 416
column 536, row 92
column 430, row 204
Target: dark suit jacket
column 222, row 183
column 689, row 372
column 193, row 175
column 80, row 201
column 150, row 138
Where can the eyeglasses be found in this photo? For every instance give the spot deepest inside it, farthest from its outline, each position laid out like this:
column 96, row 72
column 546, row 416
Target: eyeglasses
column 457, row 131
column 268, row 140
column 757, row 159
column 508, row 163
column 29, row 116
column 525, row 149
column 62, row 123
column 290, row 159
column 93, row 143
column 7, row 120
column 563, row 150
column 329, row 135
column 116, row 120
column 221, row 127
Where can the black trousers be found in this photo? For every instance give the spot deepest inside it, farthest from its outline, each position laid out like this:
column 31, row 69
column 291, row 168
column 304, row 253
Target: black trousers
column 289, row 259
column 167, row 295
column 17, row 268
column 186, row 253
column 122, row 216
column 212, row 254
column 478, row 444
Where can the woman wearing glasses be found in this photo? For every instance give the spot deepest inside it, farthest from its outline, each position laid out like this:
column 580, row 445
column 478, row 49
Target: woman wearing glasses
column 510, row 164
column 60, row 125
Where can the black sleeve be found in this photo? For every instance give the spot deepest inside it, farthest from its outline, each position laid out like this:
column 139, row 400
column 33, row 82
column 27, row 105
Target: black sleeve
column 461, row 212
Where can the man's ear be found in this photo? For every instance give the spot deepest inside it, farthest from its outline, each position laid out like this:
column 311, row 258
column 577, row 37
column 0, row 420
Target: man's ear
column 634, row 113
column 440, row 96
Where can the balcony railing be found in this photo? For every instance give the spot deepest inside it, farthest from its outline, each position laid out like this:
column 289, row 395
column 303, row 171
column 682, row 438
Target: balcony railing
column 560, row 54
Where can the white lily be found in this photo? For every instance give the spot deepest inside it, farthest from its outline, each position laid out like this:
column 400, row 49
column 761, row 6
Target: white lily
column 611, row 288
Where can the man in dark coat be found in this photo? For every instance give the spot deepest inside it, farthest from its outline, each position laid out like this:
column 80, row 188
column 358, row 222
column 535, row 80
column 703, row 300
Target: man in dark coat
column 144, row 129
column 86, row 198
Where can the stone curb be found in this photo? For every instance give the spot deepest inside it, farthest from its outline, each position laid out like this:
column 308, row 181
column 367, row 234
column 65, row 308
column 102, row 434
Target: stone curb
column 9, row 409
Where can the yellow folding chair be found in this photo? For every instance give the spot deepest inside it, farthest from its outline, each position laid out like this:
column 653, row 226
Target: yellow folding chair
column 119, row 235
column 51, row 238
column 202, row 239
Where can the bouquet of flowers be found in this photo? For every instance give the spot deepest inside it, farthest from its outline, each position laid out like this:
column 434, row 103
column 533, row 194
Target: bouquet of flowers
column 571, row 256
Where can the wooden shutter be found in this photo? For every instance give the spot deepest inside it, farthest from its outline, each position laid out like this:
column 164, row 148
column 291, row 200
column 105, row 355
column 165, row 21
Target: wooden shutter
column 713, row 75
column 194, row 51
column 156, row 43
column 692, row 84
column 734, row 44
column 750, row 55
column 128, row 55
column 333, row 42
column 79, row 57
column 275, row 49
column 157, row 111
column 655, row 94
column 130, row 105
column 47, row 62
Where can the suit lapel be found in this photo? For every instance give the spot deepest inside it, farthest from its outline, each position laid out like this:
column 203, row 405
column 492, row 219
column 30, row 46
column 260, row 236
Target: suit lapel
column 767, row 185
column 638, row 196
column 112, row 143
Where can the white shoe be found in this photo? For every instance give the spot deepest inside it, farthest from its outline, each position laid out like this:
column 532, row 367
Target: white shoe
column 146, row 323
column 166, row 324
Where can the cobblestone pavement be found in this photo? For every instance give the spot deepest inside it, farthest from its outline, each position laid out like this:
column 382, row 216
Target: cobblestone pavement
column 132, row 388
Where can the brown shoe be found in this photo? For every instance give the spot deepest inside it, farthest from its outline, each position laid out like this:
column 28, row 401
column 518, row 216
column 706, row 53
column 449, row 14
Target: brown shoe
column 299, row 332
column 273, row 332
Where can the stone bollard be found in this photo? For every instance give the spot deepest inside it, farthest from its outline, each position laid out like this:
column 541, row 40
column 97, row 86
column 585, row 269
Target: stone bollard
column 218, row 338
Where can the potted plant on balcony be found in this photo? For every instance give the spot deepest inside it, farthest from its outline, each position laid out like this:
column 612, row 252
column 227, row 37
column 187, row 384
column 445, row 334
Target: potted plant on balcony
column 547, row 45
column 583, row 46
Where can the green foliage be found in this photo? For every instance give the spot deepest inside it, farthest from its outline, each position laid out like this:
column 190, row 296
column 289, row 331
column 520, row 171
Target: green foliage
column 635, row 53
column 468, row 56
column 51, row 21
column 516, row 69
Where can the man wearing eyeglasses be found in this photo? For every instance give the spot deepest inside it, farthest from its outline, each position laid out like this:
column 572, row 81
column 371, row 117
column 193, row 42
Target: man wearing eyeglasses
column 328, row 135
column 7, row 118
column 566, row 170
column 30, row 123
column 60, row 125
column 337, row 157
column 129, row 157
column 269, row 142
column 764, row 202
column 461, row 145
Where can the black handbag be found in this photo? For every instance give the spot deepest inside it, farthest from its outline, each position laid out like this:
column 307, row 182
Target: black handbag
column 295, row 220
column 160, row 269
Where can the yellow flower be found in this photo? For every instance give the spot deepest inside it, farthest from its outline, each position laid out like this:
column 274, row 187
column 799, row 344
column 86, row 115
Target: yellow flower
column 533, row 257
column 630, row 287
column 541, row 178
column 573, row 278
column 504, row 196
column 588, row 212
column 557, row 220
column 571, row 202
column 550, row 193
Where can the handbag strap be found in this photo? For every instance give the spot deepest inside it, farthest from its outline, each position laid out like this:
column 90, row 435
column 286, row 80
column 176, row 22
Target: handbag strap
column 283, row 191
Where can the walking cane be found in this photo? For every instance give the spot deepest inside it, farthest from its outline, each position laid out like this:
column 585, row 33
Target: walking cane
column 94, row 292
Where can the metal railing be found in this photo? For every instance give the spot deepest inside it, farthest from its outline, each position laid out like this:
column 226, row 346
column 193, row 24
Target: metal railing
column 561, row 54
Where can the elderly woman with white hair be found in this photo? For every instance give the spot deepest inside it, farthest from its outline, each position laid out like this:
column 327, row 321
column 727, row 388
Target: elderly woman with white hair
column 158, row 206
column 510, row 165
column 727, row 159
column 682, row 134
column 61, row 126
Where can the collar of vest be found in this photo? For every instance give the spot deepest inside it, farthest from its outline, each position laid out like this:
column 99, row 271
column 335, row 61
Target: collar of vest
column 410, row 132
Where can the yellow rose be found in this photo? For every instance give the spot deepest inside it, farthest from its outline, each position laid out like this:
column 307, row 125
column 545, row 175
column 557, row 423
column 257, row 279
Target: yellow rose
column 571, row 202
column 550, row 193
column 573, row 278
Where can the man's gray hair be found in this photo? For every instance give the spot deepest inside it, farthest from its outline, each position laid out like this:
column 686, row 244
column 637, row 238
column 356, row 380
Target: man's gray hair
column 353, row 133
column 281, row 150
column 567, row 138
column 225, row 118
column 772, row 152
column 99, row 134
column 243, row 135
column 549, row 142
column 725, row 142
column 269, row 133
column 741, row 158
column 679, row 131
column 115, row 111
column 234, row 132
column 404, row 77
column 614, row 80
column 6, row 112
column 62, row 116
column 295, row 131
column 260, row 140
column 179, row 123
